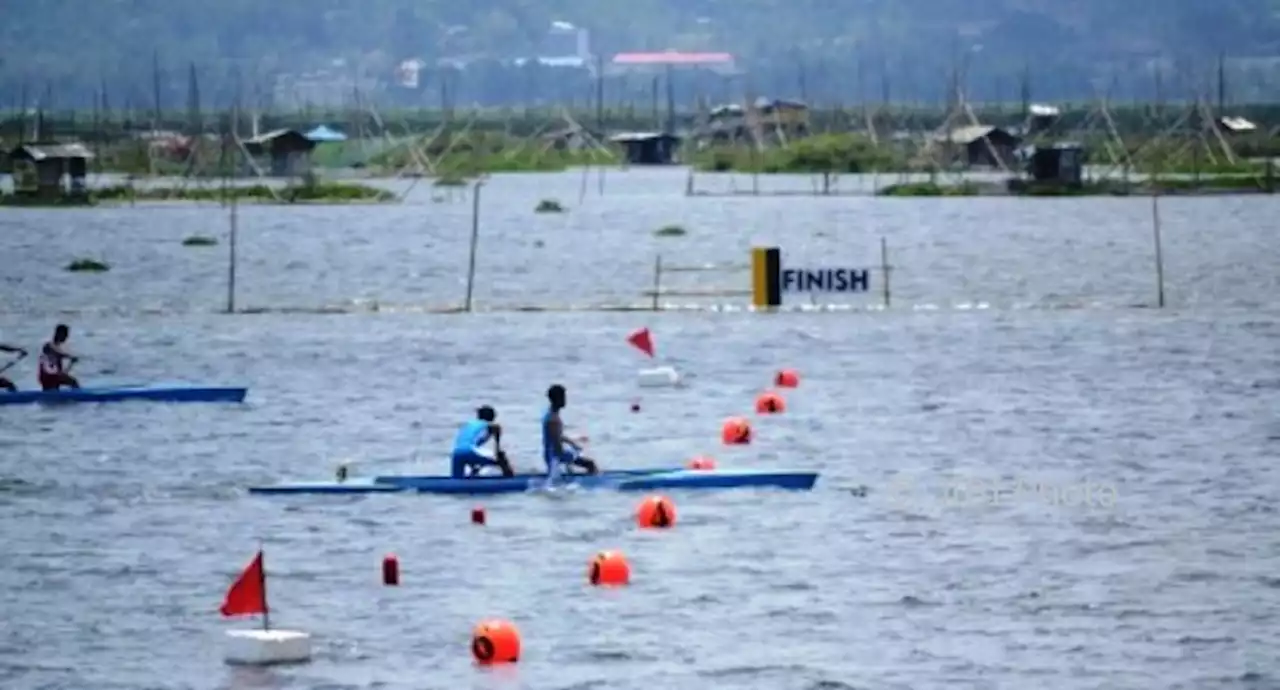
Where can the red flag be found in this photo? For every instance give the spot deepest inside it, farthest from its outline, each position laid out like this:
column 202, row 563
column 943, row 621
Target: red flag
column 642, row 341
column 248, row 595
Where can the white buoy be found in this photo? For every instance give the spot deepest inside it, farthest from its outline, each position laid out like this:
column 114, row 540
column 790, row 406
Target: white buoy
column 659, row 377
column 265, row 647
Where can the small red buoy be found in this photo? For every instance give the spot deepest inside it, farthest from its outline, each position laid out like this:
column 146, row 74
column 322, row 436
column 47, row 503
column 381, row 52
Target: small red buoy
column 390, row 570
column 736, row 432
column 702, row 462
column 770, row 402
column 477, row 516
column 787, row 378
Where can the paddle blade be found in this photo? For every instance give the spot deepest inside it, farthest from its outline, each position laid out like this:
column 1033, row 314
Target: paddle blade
column 642, row 341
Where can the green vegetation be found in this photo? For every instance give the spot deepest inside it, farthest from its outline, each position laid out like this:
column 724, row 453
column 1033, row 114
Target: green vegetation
column 199, row 241
column 912, row 189
column 1215, row 184
column 309, row 192
column 834, row 153
column 464, row 155
column 88, row 266
column 549, row 206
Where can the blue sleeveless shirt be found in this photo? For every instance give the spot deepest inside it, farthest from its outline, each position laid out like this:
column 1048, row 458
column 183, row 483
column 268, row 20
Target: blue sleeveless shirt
column 472, row 435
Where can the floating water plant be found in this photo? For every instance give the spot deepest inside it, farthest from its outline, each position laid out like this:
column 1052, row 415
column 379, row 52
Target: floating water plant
column 199, row 241
column 87, row 266
column 549, row 206
column 670, row 231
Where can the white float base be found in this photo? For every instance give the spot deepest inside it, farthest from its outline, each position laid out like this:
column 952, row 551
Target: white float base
column 659, row 377
column 263, row 647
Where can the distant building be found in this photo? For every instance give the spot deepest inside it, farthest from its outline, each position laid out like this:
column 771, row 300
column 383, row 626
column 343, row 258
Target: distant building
column 979, row 145
column 1236, row 125
column 288, row 152
column 409, row 73
column 564, row 44
column 648, row 148
column 50, row 170
column 633, row 63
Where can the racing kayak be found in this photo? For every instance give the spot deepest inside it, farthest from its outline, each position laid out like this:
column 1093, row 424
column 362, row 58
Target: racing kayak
column 617, row 480
column 119, row 393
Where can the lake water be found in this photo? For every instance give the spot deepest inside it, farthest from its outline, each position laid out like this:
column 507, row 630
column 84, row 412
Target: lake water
column 1064, row 490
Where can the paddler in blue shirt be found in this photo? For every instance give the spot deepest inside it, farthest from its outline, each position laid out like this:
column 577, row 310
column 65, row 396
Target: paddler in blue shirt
column 557, row 449
column 467, row 451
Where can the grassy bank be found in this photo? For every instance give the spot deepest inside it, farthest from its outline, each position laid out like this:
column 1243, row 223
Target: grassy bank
column 1209, row 185
column 467, row 154
column 315, row 193
column 827, row 153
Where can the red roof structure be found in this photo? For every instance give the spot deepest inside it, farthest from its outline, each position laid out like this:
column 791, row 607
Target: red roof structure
column 672, row 57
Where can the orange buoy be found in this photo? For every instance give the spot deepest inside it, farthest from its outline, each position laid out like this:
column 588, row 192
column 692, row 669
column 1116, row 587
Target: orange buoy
column 736, row 431
column 770, row 402
column 477, row 516
column 656, row 512
column 787, row 378
column 609, row 569
column 390, row 570
column 495, row 642
column 702, row 462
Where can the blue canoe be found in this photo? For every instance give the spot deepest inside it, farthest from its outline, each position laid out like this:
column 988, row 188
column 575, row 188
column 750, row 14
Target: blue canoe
column 617, row 480
column 119, row 393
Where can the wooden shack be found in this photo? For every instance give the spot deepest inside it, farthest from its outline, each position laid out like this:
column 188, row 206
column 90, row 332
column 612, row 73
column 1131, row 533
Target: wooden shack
column 648, row 148
column 288, row 152
column 50, row 170
column 980, row 145
column 788, row 115
column 1061, row 163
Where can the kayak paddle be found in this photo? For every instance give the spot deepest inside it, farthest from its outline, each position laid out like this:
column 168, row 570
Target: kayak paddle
column 9, row 366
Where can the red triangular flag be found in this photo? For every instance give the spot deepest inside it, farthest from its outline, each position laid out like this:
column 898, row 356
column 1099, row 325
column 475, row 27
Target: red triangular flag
column 248, row 595
column 642, row 341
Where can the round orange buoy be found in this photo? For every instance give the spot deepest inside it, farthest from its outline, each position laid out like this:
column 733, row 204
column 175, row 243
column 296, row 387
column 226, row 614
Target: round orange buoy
column 656, row 512
column 702, row 463
column 609, row 569
column 787, row 378
column 390, row 570
column 477, row 516
column 736, row 431
column 769, row 402
column 495, row 642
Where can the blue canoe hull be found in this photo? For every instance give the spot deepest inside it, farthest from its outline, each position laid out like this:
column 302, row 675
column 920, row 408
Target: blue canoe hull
column 624, row 480
column 184, row 394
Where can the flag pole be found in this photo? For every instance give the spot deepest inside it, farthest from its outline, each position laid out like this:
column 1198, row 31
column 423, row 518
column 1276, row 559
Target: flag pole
column 262, row 588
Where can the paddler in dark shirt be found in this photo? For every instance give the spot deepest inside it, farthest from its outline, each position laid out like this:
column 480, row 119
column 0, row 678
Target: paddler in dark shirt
column 6, row 384
column 53, row 356
column 559, row 450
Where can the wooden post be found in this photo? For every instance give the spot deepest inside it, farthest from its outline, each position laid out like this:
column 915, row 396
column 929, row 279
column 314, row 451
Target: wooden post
column 231, row 253
column 475, row 241
column 657, row 281
column 1155, row 232
column 884, row 269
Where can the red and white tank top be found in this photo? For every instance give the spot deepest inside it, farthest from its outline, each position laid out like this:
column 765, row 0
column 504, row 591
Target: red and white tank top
column 50, row 361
